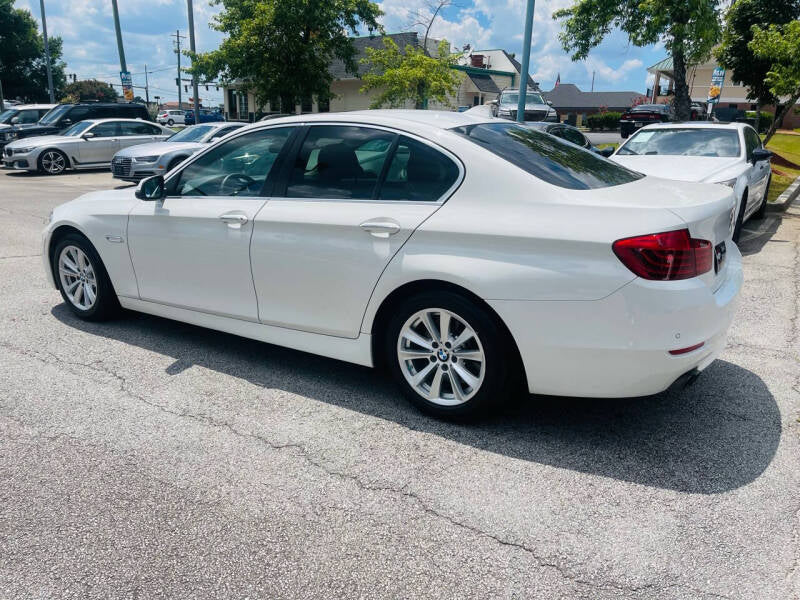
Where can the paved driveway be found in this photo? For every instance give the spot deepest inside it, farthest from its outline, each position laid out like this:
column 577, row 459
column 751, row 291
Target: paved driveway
column 144, row 458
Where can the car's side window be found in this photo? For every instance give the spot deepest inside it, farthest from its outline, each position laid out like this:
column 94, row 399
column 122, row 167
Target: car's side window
column 418, row 173
column 28, row 116
column 576, row 137
column 105, row 130
column 751, row 142
column 222, row 132
column 238, row 167
column 339, row 161
column 78, row 113
column 130, row 128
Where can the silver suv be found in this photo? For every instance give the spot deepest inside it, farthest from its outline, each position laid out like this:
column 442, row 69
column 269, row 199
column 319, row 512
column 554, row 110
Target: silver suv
column 536, row 109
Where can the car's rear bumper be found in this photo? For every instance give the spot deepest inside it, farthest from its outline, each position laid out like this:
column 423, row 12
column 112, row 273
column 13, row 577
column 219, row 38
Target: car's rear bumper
column 619, row 346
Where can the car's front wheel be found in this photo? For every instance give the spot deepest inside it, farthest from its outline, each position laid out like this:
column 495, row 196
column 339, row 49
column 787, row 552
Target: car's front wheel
column 53, row 162
column 82, row 279
column 448, row 355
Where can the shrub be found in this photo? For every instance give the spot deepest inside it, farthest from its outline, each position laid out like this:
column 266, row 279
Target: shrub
column 607, row 120
column 766, row 119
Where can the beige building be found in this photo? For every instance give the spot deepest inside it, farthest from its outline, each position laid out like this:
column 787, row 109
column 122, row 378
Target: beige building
column 485, row 74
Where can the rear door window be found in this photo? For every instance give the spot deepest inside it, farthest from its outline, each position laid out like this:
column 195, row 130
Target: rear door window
column 339, row 162
column 550, row 159
column 418, row 173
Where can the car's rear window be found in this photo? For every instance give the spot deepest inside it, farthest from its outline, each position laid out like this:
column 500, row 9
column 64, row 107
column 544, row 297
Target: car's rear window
column 547, row 157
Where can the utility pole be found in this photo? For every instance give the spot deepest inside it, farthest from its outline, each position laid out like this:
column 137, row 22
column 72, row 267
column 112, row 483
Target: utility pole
column 526, row 62
column 47, row 55
column 592, row 80
column 178, row 38
column 123, row 67
column 2, row 105
column 146, row 87
column 194, row 75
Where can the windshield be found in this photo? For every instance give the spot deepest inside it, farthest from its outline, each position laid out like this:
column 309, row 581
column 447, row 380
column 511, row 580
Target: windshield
column 54, row 114
column 78, row 128
column 513, row 98
column 550, row 159
column 7, row 115
column 684, row 142
column 190, row 134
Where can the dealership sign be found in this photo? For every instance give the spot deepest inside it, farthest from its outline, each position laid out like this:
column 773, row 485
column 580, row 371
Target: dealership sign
column 717, row 79
column 127, row 85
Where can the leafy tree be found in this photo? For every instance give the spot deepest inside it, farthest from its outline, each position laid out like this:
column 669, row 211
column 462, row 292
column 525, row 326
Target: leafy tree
column 781, row 46
column 410, row 75
column 283, row 48
column 688, row 29
column 734, row 53
column 23, row 68
column 89, row 89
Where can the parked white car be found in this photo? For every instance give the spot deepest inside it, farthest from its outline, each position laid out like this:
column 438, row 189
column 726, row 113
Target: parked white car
column 137, row 162
column 731, row 154
column 171, row 117
column 463, row 253
column 86, row 145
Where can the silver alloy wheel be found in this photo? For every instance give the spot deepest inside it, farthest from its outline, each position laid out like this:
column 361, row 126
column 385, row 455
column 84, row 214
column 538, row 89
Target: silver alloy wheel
column 77, row 276
column 53, row 162
column 441, row 356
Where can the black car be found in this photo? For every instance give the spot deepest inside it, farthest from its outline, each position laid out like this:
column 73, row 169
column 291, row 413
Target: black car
column 571, row 134
column 66, row 115
column 638, row 116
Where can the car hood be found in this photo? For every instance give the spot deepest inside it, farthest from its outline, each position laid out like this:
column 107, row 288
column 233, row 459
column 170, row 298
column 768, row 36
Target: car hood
column 682, row 168
column 159, row 148
column 41, row 140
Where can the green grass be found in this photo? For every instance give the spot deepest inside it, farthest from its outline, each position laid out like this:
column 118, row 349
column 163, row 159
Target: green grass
column 788, row 147
column 612, row 145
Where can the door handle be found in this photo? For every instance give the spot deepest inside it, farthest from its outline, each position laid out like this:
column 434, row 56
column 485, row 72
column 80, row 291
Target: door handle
column 234, row 220
column 380, row 227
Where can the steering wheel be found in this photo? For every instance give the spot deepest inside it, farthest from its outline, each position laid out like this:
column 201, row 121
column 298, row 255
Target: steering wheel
column 243, row 181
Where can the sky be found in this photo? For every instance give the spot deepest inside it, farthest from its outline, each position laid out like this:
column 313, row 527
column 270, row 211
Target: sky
column 90, row 48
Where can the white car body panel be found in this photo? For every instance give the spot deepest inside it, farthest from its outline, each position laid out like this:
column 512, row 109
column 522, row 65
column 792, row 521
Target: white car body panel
column 302, row 273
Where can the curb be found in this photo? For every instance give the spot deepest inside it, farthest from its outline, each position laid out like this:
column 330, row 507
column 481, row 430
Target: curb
column 786, row 198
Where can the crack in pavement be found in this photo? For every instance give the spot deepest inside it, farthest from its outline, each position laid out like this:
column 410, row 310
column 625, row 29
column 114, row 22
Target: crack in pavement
column 565, row 572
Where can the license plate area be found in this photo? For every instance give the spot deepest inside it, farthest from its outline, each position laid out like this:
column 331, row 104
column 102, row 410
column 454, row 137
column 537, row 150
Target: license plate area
column 719, row 256
column 637, row 123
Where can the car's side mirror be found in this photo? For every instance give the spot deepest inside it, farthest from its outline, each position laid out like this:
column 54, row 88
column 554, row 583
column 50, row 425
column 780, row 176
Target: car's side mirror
column 760, row 154
column 66, row 122
column 550, row 102
column 607, row 151
column 88, row 136
column 151, row 188
column 14, row 120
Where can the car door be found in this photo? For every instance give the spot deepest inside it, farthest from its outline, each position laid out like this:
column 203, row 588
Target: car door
column 102, row 145
column 758, row 173
column 134, row 132
column 192, row 249
column 349, row 199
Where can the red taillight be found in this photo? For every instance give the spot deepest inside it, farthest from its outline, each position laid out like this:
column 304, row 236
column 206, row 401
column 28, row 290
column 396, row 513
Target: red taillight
column 665, row 256
column 687, row 349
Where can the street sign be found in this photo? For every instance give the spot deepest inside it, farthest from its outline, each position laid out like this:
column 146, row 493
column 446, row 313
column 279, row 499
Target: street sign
column 127, row 85
column 717, row 79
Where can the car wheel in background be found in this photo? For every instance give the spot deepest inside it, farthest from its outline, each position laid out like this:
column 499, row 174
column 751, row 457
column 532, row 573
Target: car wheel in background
column 52, row 162
column 448, row 355
column 82, row 279
column 737, row 228
column 762, row 210
column 171, row 122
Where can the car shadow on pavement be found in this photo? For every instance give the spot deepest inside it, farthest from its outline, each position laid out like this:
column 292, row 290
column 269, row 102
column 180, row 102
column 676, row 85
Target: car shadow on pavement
column 756, row 234
column 715, row 436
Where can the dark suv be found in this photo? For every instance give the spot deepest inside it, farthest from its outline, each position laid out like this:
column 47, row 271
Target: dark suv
column 66, row 115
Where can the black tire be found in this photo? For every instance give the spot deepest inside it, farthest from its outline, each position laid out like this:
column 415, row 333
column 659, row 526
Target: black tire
column 489, row 393
column 105, row 305
column 49, row 161
column 737, row 228
column 171, row 122
column 762, row 210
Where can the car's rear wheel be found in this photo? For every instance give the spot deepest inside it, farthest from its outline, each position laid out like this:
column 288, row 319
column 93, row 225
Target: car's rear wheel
column 448, row 355
column 53, row 162
column 762, row 210
column 82, row 279
column 171, row 122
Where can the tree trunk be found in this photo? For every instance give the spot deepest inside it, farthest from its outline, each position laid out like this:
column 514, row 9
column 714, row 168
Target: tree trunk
column 779, row 114
column 683, row 104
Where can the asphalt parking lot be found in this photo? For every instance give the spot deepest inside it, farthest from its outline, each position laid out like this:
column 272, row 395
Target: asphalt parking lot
column 144, row 458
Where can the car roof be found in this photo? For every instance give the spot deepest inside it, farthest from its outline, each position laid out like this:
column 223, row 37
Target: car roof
column 106, row 120
column 29, row 106
column 696, row 125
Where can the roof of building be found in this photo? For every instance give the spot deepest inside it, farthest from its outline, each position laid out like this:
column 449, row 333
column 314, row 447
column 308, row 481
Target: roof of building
column 531, row 83
column 483, row 82
column 337, row 67
column 664, row 64
column 568, row 95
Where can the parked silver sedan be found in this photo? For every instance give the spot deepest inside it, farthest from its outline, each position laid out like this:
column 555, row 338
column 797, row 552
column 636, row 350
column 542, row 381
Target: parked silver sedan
column 86, row 145
column 138, row 162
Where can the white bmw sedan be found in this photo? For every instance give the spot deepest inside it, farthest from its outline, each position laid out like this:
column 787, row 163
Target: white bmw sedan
column 730, row 154
column 462, row 253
